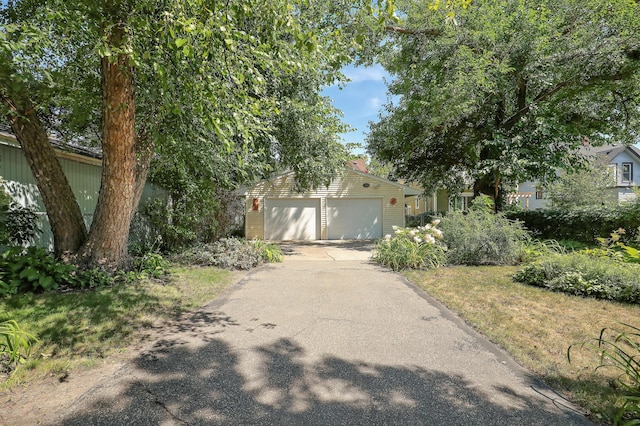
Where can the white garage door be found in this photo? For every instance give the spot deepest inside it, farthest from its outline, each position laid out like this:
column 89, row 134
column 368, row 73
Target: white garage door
column 354, row 218
column 291, row 219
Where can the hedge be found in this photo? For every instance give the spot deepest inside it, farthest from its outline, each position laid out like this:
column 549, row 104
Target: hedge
column 584, row 224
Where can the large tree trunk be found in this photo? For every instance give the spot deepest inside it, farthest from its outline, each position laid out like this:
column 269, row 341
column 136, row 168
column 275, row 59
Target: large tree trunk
column 65, row 218
column 106, row 246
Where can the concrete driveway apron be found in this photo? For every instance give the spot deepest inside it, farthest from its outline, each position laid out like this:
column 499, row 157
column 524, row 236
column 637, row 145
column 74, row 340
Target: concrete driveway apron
column 323, row 338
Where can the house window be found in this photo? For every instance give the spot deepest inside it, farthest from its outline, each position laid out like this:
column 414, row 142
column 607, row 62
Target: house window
column 627, row 172
column 417, row 203
column 539, row 193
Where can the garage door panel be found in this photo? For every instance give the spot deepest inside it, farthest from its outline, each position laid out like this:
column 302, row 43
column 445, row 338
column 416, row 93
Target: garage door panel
column 292, row 219
column 354, row 218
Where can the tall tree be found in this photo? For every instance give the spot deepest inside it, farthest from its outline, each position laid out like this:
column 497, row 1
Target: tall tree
column 168, row 72
column 507, row 91
column 583, row 188
column 21, row 102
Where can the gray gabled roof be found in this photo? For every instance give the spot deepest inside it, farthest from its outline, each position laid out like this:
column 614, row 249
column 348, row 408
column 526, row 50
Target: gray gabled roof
column 610, row 152
column 96, row 153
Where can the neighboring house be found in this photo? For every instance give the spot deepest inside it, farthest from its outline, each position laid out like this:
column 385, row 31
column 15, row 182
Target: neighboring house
column 530, row 195
column 83, row 168
column 624, row 163
column 355, row 205
column 438, row 202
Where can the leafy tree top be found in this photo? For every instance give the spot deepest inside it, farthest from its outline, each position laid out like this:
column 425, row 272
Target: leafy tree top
column 509, row 90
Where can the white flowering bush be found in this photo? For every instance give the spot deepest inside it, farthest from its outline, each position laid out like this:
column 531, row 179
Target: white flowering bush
column 411, row 248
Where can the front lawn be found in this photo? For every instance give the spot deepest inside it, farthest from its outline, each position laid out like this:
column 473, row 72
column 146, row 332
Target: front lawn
column 536, row 326
column 77, row 329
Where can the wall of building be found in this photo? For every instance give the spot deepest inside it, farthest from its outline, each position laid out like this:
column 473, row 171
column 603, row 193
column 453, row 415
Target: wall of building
column 350, row 185
column 82, row 172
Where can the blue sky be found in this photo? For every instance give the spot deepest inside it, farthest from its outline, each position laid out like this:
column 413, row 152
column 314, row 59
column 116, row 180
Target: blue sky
column 360, row 100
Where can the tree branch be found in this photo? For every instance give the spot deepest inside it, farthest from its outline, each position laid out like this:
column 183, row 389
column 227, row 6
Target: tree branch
column 511, row 121
column 407, row 31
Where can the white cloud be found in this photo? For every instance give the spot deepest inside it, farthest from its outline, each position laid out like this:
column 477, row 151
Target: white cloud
column 375, row 103
column 360, row 74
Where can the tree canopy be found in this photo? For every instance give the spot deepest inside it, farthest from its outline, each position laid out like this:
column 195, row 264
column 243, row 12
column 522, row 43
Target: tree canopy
column 506, row 91
column 218, row 91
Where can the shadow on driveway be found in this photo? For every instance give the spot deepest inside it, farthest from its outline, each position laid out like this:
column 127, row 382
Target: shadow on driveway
column 179, row 382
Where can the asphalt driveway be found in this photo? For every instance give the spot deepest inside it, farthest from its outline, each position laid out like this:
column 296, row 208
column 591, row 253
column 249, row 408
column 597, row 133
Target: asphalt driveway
column 323, row 338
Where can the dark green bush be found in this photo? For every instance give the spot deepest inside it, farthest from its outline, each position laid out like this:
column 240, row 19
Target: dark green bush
column 19, row 225
column 150, row 265
column 422, row 219
column 480, row 237
column 583, row 224
column 584, row 275
column 22, row 224
column 32, row 269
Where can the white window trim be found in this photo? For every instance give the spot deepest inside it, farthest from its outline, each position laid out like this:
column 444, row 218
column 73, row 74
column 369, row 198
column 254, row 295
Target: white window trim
column 630, row 172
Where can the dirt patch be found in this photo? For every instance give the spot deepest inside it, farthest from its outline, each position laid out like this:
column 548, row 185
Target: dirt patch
column 44, row 401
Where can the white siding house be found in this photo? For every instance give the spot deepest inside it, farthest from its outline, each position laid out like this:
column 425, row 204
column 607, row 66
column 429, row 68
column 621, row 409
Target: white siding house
column 624, row 163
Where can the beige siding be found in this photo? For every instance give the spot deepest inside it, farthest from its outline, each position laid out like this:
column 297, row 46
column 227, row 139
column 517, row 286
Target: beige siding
column 349, row 185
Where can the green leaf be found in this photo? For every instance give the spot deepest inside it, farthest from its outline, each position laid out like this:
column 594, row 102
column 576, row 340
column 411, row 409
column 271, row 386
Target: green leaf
column 29, row 274
column 47, row 282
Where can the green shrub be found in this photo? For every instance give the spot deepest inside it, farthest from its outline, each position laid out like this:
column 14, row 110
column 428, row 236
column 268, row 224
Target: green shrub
column 618, row 250
column 479, row 237
column 150, row 265
column 5, row 202
column 422, row 219
column 584, row 275
column 582, row 224
column 535, row 249
column 15, row 344
column 228, row 253
column 32, row 269
column 411, row 248
column 22, row 224
column 621, row 351
column 19, row 225
column 269, row 252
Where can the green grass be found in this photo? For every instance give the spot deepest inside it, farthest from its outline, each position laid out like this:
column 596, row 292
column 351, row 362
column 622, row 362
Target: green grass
column 537, row 326
column 78, row 329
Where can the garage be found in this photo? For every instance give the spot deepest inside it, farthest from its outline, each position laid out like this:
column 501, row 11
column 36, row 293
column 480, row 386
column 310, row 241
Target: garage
column 354, row 218
column 292, row 219
column 353, row 206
